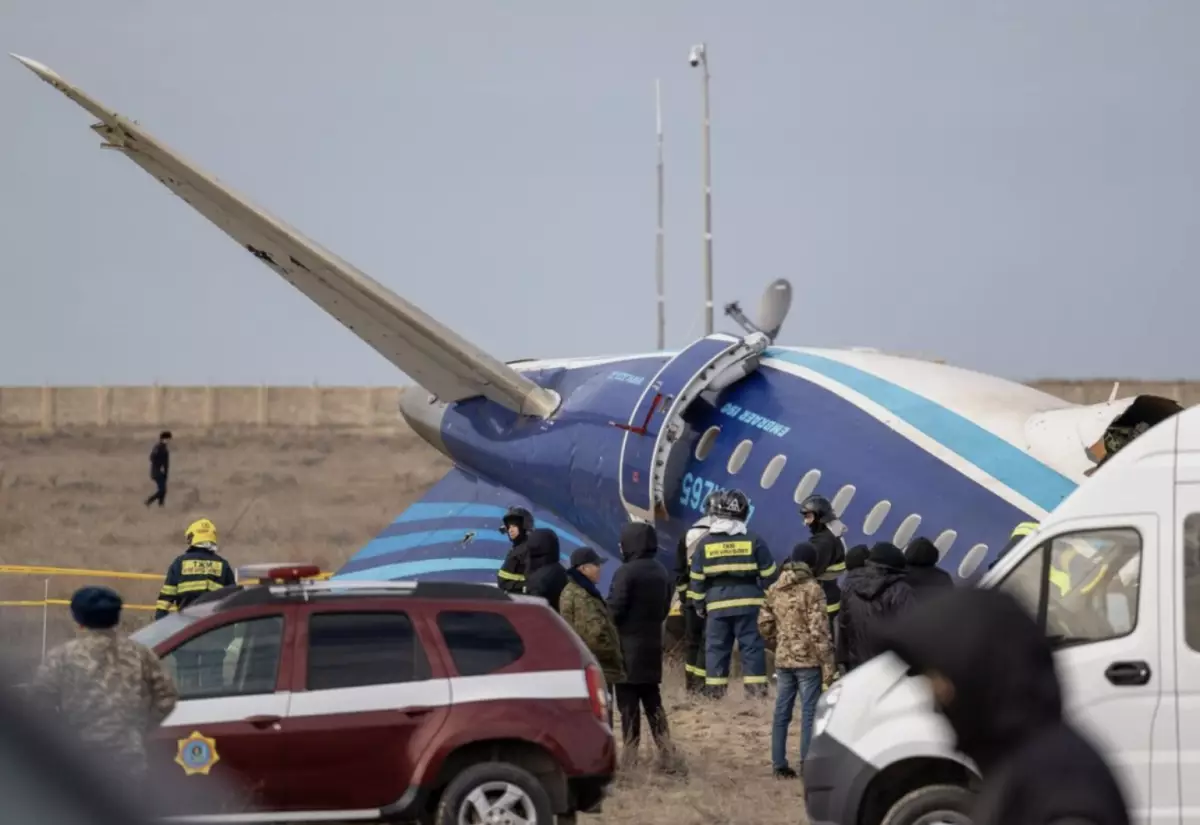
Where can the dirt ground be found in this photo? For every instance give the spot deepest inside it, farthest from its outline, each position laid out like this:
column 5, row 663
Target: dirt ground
column 75, row 500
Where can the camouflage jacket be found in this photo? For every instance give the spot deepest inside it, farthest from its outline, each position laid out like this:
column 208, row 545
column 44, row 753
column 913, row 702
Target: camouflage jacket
column 588, row 616
column 109, row 691
column 794, row 619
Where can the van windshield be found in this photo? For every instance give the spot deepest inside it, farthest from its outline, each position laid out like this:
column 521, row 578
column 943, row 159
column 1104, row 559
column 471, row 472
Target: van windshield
column 1090, row 587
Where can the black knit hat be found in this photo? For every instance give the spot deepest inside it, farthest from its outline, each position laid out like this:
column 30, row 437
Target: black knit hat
column 96, row 608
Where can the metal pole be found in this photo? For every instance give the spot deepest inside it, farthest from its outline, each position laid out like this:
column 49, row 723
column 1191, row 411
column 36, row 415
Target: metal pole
column 45, row 616
column 659, row 273
column 708, row 278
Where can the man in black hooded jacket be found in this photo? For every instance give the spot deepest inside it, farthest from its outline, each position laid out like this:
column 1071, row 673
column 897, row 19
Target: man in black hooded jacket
column 924, row 575
column 869, row 600
column 516, row 525
column 992, row 673
column 546, row 577
column 818, row 514
column 640, row 599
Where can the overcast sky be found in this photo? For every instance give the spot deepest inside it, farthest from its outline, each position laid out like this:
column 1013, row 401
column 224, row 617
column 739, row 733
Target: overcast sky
column 1014, row 186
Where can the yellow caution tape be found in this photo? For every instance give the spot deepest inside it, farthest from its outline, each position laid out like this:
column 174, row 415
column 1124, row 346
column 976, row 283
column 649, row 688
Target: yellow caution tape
column 66, row 603
column 34, row 570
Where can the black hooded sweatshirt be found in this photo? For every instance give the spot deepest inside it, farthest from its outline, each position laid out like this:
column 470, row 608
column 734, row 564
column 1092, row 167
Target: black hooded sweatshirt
column 923, row 573
column 1006, row 711
column 546, row 577
column 640, row 598
column 879, row 591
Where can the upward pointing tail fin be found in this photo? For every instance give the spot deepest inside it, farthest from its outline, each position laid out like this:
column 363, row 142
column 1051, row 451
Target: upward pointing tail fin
column 435, row 356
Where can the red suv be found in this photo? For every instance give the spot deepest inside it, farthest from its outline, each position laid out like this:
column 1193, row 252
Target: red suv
column 433, row 702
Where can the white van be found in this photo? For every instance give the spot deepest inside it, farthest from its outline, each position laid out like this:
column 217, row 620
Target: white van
column 1128, row 656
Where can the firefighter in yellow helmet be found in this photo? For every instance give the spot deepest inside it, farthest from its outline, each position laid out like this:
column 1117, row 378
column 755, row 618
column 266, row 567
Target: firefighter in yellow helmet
column 196, row 572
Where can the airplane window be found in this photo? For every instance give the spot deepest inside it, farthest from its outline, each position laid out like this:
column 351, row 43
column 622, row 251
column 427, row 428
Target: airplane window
column 842, row 499
column 944, row 542
column 807, row 484
column 707, row 442
column 738, row 457
column 771, row 474
column 906, row 530
column 876, row 516
column 972, row 560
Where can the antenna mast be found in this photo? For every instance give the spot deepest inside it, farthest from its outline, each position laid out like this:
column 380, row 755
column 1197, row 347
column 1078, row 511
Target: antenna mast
column 659, row 274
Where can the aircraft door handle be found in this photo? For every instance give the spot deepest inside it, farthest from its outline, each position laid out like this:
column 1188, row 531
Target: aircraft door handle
column 264, row 721
column 1128, row 673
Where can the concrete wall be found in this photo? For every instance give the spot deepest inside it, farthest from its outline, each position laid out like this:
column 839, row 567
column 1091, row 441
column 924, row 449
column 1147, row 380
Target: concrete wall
column 51, row 408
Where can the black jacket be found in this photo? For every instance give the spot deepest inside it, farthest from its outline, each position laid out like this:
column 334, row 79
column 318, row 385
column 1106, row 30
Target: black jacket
column 1006, row 711
column 160, row 461
column 546, row 577
column 923, row 573
column 831, row 559
column 511, row 575
column 190, row 576
column 639, row 599
column 870, row 598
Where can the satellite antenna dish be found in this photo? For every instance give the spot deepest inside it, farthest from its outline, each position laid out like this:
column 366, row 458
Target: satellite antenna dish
column 776, row 301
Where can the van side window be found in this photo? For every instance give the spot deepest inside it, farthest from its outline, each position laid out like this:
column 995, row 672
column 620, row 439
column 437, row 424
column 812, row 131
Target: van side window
column 1191, row 580
column 1087, row 583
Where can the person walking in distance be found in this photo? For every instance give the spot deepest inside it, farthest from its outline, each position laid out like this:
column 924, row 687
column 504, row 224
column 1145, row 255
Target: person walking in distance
column 587, row 613
column 640, row 599
column 107, row 689
column 794, row 621
column 160, row 467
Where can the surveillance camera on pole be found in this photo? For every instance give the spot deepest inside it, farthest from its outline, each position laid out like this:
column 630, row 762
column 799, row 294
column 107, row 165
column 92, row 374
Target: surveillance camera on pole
column 698, row 56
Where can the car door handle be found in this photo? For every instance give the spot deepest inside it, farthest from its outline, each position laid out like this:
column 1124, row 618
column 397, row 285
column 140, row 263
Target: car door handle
column 1128, row 673
column 413, row 713
column 264, row 721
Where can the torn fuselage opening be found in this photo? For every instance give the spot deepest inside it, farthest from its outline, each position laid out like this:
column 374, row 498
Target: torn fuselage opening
column 1145, row 412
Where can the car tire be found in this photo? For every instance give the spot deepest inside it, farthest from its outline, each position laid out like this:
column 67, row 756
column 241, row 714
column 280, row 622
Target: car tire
column 496, row 780
column 932, row 804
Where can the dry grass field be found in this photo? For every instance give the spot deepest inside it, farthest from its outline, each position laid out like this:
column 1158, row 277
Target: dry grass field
column 75, row 500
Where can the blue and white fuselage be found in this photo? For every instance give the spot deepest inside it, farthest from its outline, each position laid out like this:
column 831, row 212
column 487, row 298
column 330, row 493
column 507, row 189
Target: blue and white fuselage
column 903, row 448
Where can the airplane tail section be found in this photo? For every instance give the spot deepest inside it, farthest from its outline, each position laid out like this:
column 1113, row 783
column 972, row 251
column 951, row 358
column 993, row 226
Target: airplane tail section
column 453, row 534
column 433, row 355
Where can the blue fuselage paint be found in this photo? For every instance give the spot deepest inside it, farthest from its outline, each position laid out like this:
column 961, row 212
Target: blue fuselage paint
column 568, row 469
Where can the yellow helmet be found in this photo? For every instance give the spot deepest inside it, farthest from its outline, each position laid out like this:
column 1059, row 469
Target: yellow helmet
column 201, row 531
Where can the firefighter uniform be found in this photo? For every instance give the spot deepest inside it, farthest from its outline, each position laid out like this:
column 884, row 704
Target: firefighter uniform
column 196, row 572
column 1072, row 571
column 693, row 623
column 729, row 574
column 831, row 564
column 511, row 575
column 831, row 554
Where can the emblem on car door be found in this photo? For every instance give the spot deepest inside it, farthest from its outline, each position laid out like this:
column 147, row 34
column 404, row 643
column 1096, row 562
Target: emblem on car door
column 197, row 754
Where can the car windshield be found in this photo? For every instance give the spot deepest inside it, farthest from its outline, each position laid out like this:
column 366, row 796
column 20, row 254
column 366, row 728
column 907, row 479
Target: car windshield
column 159, row 631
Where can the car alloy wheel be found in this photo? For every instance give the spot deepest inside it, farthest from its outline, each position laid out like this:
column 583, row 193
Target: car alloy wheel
column 497, row 803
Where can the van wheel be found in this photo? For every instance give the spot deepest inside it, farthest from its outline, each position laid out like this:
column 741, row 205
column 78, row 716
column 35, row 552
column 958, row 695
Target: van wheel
column 932, row 805
column 495, row 793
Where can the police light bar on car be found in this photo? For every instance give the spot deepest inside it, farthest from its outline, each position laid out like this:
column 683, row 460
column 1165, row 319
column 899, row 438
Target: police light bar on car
column 277, row 573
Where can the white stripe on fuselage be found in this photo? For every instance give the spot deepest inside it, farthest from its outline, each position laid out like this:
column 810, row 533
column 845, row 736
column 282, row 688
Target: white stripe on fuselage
column 930, row 445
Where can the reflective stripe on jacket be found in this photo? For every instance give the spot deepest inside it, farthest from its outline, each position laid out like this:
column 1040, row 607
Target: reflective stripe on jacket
column 730, row 573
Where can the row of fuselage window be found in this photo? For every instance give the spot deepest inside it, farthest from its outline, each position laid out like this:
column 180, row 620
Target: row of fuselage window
column 841, row 500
